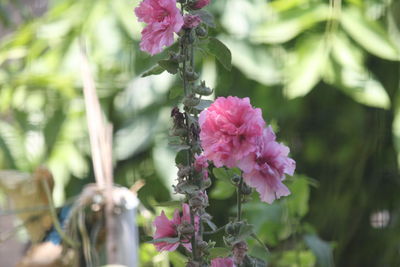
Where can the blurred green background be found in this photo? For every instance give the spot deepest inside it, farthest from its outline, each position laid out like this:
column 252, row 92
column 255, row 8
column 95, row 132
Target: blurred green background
column 326, row 76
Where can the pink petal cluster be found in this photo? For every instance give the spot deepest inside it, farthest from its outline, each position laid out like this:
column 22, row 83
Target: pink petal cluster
column 230, row 129
column 222, row 262
column 265, row 170
column 233, row 134
column 168, row 228
column 163, row 19
column 200, row 4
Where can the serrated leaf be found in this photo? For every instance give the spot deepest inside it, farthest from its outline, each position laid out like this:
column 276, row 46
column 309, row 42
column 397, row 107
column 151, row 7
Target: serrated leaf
column 221, row 52
column 169, row 240
column 369, row 34
column 169, row 65
column 206, row 17
column 219, row 252
column 155, row 70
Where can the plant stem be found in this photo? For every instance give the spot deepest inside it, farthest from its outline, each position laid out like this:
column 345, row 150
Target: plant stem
column 239, row 198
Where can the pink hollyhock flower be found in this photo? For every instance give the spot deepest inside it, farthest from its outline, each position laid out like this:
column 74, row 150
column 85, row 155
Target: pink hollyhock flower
column 163, row 19
column 222, row 262
column 201, row 165
column 200, row 4
column 266, row 168
column 191, row 21
column 168, row 228
column 230, row 129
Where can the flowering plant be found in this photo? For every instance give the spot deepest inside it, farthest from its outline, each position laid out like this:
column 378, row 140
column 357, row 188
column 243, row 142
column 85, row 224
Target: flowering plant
column 228, row 133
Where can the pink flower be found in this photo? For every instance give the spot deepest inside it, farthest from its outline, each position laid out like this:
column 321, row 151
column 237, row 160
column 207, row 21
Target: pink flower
column 163, row 19
column 222, row 262
column 191, row 21
column 266, row 168
column 200, row 4
column 168, row 228
column 201, row 165
column 230, row 128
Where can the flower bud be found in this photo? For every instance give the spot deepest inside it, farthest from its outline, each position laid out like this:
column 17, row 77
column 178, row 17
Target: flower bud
column 185, row 228
column 202, row 89
column 235, row 179
column 191, row 21
column 175, row 57
column 245, row 190
column 201, row 31
column 192, row 75
column 196, row 202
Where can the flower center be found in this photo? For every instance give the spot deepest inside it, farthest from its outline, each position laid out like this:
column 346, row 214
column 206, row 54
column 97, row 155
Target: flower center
column 162, row 15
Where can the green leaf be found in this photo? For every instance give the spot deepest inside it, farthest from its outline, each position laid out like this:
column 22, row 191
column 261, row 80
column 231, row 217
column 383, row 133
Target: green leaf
column 155, row 70
column 221, row 52
column 169, row 65
column 346, row 71
column 222, row 190
column 175, row 92
column 181, row 158
column 369, row 34
column 321, row 249
column 246, row 230
column 305, row 70
column 222, row 174
column 219, row 252
column 297, row 202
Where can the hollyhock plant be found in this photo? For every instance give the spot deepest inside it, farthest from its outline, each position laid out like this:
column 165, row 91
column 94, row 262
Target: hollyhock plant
column 169, row 228
column 163, row 19
column 266, row 168
column 230, row 129
column 222, row 262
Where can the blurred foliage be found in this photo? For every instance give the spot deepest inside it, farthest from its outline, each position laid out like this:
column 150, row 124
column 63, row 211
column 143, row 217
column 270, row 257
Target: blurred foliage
column 325, row 74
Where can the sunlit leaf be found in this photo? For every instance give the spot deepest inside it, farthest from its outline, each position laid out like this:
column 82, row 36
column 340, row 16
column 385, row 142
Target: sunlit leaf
column 305, row 66
column 369, row 34
column 221, row 52
column 290, row 24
